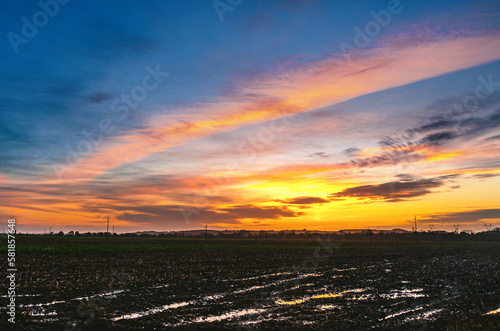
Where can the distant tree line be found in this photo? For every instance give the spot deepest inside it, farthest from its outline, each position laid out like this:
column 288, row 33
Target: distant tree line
column 355, row 235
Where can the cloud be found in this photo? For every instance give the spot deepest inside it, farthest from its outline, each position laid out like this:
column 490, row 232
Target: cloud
column 438, row 138
column 451, row 124
column 447, row 109
column 99, row 97
column 304, row 200
column 484, row 176
column 441, row 124
column 300, row 88
column 389, row 157
column 392, row 191
column 470, row 216
column 319, row 154
column 407, row 177
column 426, row 141
column 351, row 151
column 182, row 215
column 497, row 137
column 260, row 212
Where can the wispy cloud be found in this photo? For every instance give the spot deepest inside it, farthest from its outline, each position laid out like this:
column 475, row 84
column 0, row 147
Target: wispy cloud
column 470, row 216
column 395, row 191
column 300, row 89
column 304, row 200
column 171, row 215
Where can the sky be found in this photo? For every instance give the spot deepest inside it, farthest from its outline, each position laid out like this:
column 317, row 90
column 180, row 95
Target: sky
column 249, row 114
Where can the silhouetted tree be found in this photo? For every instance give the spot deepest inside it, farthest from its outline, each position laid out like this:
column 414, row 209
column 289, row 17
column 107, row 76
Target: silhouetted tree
column 369, row 233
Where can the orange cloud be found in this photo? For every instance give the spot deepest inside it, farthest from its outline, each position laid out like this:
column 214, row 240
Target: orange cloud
column 442, row 156
column 307, row 87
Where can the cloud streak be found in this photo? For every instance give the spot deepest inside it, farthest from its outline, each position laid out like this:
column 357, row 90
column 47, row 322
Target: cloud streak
column 304, row 200
column 304, row 88
column 171, row 215
column 470, row 216
column 395, row 191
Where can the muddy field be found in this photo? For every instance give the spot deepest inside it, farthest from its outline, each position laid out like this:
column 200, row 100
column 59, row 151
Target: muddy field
column 245, row 285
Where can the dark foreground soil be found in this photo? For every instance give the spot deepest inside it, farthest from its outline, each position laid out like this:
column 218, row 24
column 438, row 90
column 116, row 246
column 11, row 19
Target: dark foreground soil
column 330, row 288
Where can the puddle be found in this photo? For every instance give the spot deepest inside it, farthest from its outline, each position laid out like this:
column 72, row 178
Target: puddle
column 208, row 298
column 21, row 295
column 42, row 312
column 111, row 294
column 213, row 297
column 263, row 276
column 342, row 270
column 229, row 315
column 363, row 297
column 404, row 293
column 401, row 313
column 253, row 288
column 42, row 304
column 160, row 286
column 356, row 290
column 46, row 320
column 291, row 302
column 297, row 287
column 152, row 311
column 260, row 319
column 424, row 315
column 278, row 282
column 106, row 294
column 327, row 295
column 328, row 307
column 302, row 300
column 493, row 312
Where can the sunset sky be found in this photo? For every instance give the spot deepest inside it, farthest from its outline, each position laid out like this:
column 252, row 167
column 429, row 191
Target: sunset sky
column 251, row 114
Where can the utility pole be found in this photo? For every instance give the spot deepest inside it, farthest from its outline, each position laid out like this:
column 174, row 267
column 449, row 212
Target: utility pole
column 416, row 236
column 456, row 228
column 431, row 227
column 206, row 231
column 488, row 227
column 107, row 228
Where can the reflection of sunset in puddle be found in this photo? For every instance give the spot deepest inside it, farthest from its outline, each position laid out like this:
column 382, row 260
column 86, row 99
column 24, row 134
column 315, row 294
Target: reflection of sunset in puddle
column 327, row 295
column 328, row 307
column 494, row 312
column 299, row 301
column 292, row 302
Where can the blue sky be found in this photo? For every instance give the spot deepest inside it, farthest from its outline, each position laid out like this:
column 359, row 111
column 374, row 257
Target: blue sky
column 227, row 80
